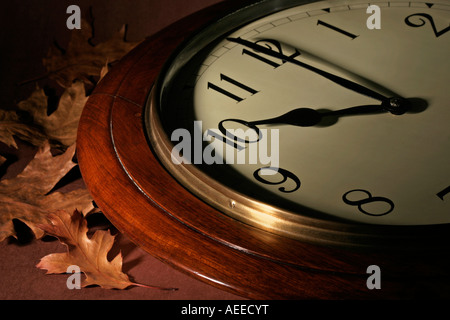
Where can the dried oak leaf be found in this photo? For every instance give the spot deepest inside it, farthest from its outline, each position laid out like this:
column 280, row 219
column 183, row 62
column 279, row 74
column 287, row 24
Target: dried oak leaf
column 25, row 197
column 60, row 127
column 89, row 254
column 12, row 126
column 82, row 60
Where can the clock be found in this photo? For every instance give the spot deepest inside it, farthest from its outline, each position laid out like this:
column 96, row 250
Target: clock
column 280, row 149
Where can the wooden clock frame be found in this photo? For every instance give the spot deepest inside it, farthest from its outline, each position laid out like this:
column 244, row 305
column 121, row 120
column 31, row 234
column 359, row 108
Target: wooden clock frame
column 146, row 203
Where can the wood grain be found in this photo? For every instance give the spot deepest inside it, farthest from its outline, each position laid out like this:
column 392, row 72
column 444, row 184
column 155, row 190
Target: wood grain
column 143, row 201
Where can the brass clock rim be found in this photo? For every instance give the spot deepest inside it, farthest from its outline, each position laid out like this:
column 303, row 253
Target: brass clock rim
column 283, row 222
column 233, row 203
column 280, row 221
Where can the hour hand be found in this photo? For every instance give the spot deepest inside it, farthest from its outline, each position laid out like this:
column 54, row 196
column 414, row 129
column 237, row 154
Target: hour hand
column 305, row 117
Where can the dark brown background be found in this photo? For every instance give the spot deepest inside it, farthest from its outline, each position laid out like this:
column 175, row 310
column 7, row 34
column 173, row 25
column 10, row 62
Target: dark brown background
column 28, row 29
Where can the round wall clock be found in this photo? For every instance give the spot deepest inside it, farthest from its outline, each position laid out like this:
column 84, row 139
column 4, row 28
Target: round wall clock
column 283, row 149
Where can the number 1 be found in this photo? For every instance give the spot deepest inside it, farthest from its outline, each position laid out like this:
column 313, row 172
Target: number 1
column 346, row 33
column 443, row 193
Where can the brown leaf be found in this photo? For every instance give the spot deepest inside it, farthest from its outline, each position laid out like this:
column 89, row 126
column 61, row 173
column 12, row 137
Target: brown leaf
column 60, row 127
column 12, row 126
column 25, row 198
column 104, row 71
column 89, row 254
column 82, row 60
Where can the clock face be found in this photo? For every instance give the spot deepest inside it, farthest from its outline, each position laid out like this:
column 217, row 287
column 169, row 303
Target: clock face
column 283, row 115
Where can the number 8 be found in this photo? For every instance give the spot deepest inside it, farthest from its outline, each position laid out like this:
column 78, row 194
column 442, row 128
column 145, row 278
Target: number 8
column 369, row 199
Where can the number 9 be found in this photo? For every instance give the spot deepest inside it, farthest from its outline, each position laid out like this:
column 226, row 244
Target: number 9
column 284, row 173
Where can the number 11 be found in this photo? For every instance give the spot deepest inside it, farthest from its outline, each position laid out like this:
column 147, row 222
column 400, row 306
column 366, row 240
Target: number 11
column 233, row 82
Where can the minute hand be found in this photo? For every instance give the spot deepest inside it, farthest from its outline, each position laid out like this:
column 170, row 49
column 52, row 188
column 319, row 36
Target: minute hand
column 392, row 103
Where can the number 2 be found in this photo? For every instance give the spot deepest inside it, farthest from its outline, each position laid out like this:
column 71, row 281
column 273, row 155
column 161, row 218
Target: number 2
column 422, row 22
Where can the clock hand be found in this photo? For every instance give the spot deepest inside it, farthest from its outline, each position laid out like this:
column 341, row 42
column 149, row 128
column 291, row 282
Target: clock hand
column 319, row 61
column 305, row 117
column 395, row 105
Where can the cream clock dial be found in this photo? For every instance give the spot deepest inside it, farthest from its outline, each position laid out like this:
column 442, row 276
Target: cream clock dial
column 347, row 123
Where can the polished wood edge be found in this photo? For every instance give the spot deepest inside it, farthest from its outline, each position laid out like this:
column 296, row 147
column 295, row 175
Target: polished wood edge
column 171, row 241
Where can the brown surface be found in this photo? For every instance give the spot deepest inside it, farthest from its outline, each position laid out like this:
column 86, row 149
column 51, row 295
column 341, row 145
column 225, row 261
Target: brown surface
column 28, row 30
column 20, row 279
